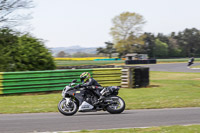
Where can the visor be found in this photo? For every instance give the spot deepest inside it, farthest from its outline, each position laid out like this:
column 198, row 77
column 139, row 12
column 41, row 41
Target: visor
column 82, row 80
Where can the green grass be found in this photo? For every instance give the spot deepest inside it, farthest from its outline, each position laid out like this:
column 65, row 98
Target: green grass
column 162, row 129
column 119, row 62
column 195, row 66
column 167, row 90
column 29, row 103
column 80, row 63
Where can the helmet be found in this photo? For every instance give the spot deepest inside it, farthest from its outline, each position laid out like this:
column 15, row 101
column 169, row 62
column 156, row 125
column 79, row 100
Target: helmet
column 85, row 77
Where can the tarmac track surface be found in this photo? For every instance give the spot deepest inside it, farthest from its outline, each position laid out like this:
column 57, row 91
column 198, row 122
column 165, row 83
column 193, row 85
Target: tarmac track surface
column 42, row 122
column 173, row 67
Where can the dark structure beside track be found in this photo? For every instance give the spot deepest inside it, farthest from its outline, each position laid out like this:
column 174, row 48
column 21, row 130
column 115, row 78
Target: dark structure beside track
column 134, row 76
column 139, row 59
column 148, row 61
column 141, row 77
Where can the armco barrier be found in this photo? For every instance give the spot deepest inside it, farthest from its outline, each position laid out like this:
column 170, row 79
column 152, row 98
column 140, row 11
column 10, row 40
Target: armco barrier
column 1, row 79
column 108, row 76
column 40, row 81
column 37, row 81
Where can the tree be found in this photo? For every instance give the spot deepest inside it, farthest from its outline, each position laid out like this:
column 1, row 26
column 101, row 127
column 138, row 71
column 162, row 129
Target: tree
column 61, row 54
column 9, row 11
column 132, row 44
column 173, row 49
column 108, row 50
column 8, row 40
column 34, row 55
column 161, row 48
column 126, row 32
column 23, row 52
column 189, row 42
column 149, row 43
column 125, row 25
column 163, row 38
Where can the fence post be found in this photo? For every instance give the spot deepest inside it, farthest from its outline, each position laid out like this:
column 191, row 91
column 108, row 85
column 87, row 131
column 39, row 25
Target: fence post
column 127, row 78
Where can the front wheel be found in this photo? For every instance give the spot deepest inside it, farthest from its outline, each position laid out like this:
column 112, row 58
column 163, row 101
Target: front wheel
column 117, row 106
column 67, row 106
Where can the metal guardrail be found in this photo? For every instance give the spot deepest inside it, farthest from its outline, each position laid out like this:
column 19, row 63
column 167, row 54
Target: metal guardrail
column 108, row 76
column 38, row 81
column 41, row 81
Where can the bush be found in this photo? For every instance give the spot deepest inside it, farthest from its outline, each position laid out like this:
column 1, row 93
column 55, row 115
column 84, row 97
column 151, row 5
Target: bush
column 23, row 52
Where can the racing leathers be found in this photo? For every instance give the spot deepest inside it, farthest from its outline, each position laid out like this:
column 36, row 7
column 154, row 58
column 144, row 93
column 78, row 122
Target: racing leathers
column 93, row 85
column 91, row 82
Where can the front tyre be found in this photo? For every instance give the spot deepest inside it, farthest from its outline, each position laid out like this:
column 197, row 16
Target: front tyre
column 67, row 106
column 117, row 106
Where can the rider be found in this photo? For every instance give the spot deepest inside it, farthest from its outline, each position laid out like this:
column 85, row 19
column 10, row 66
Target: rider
column 87, row 80
column 190, row 62
column 90, row 83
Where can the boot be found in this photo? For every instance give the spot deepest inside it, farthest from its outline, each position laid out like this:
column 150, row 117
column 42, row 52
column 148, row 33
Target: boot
column 100, row 100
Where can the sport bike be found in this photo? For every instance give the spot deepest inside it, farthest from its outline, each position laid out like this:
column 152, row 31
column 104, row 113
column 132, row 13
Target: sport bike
column 86, row 99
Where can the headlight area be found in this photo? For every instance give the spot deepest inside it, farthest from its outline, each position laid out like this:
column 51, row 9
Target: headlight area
column 65, row 90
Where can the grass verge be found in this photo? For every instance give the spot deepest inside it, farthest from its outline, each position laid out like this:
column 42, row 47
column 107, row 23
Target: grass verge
column 80, row 63
column 167, row 90
column 119, row 62
column 195, row 66
column 162, row 129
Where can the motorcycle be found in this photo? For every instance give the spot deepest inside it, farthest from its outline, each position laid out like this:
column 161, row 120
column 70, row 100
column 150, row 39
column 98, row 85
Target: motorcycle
column 86, row 99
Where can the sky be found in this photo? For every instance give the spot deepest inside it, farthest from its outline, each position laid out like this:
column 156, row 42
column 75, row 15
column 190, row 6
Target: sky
column 87, row 23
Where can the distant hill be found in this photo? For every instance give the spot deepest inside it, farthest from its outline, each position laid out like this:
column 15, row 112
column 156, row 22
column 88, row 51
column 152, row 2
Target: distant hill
column 73, row 49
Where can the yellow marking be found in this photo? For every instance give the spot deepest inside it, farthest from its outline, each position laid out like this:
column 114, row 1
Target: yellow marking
column 1, row 84
column 1, row 91
column 78, row 92
column 1, row 75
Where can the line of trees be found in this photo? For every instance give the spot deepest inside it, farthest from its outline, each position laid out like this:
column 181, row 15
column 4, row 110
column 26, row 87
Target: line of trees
column 185, row 43
column 128, row 38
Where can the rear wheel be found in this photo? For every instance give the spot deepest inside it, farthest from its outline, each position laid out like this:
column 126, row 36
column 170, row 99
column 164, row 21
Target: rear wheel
column 68, row 106
column 117, row 106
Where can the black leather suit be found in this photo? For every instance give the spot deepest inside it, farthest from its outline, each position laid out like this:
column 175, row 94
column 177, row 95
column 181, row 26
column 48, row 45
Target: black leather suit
column 93, row 85
column 91, row 82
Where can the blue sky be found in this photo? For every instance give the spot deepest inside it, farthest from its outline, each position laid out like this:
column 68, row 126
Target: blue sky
column 87, row 23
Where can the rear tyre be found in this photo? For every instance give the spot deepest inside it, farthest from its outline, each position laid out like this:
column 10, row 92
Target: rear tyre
column 69, row 108
column 116, row 107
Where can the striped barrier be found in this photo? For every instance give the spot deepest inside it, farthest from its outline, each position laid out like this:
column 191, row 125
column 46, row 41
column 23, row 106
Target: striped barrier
column 38, row 81
column 41, row 81
column 108, row 76
column 1, row 80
